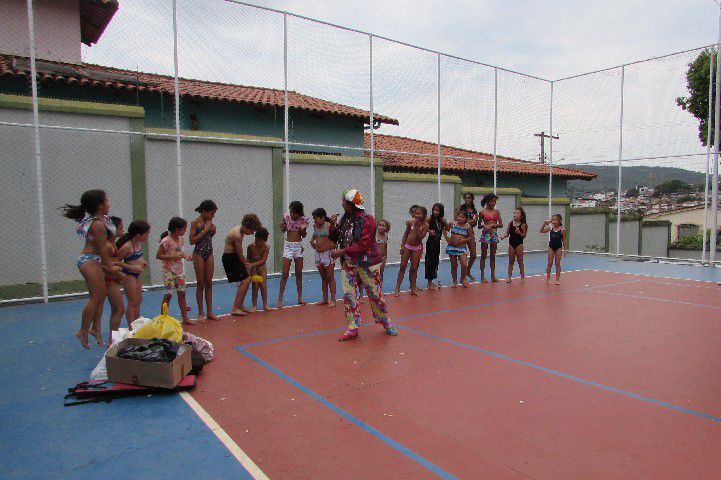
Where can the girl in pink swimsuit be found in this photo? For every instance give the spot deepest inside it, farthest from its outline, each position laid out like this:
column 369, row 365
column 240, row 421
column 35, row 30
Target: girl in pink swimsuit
column 416, row 230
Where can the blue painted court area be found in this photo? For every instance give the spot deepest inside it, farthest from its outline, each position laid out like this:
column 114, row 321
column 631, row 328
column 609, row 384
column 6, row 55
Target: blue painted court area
column 158, row 435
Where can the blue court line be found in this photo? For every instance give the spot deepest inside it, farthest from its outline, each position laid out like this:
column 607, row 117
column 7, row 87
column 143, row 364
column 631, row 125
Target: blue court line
column 373, row 431
column 449, row 310
column 565, row 375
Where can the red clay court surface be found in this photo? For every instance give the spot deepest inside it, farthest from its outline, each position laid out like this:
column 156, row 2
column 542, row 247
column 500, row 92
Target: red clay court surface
column 607, row 376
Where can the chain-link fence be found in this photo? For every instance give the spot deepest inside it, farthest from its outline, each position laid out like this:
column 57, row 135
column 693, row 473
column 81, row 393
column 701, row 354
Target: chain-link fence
column 166, row 103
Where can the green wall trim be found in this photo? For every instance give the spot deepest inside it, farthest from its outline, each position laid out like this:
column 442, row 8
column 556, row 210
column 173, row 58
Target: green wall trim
column 567, row 222
column 485, row 190
column 168, row 134
column 313, row 159
column 71, row 106
column 419, row 177
column 655, row 223
column 544, row 201
column 607, row 248
column 640, row 238
column 278, row 207
column 138, row 182
column 590, row 211
column 379, row 191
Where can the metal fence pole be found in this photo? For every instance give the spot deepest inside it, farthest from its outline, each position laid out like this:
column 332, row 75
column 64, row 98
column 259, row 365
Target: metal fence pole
column 372, row 134
column 178, row 157
column 717, row 118
column 495, row 130
column 620, row 156
column 550, row 158
column 708, row 158
column 37, row 151
column 285, row 109
column 438, row 56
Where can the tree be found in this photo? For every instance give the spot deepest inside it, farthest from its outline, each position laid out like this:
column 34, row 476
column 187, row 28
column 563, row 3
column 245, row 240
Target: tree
column 631, row 193
column 672, row 186
column 697, row 101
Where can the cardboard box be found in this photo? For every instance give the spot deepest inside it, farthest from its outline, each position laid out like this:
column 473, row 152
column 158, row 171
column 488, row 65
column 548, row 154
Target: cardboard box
column 147, row 374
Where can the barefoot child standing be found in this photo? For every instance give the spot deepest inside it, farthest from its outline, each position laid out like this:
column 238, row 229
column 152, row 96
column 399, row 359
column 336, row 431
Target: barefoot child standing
column 412, row 248
column 258, row 256
column 320, row 241
column 170, row 253
column 458, row 245
column 557, row 245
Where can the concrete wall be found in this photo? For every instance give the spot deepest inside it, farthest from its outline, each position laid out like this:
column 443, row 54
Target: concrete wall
column 57, row 29
column 398, row 196
column 655, row 240
column 630, row 231
column 237, row 177
column 321, row 185
column 73, row 162
column 686, row 216
column 589, row 232
column 536, row 215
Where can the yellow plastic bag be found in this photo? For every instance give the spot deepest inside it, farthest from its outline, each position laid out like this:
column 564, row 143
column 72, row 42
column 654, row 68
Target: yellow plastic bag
column 162, row 326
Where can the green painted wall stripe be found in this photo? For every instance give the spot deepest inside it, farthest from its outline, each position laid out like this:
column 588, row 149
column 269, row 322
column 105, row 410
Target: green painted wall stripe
column 486, row 190
column 278, row 207
column 138, row 183
column 312, row 159
column 419, row 177
column 168, row 134
column 544, row 201
column 71, row 106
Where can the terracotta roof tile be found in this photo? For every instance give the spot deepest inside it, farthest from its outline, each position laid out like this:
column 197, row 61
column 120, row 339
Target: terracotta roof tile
column 107, row 77
column 400, row 154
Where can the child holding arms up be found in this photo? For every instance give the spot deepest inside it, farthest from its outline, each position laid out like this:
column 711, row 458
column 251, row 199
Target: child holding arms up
column 412, row 248
column 257, row 257
column 557, row 245
column 170, row 253
column 322, row 225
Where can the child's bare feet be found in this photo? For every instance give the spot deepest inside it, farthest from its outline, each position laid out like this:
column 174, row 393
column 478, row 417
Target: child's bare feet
column 188, row 321
column 523, row 279
column 471, row 277
column 279, row 305
column 557, row 282
column 267, row 308
column 483, row 280
column 98, row 336
column 201, row 318
column 211, row 316
column 415, row 292
column 331, row 304
column 239, row 313
column 324, row 302
column 455, row 285
column 253, row 310
column 302, row 302
column 83, row 337
column 396, row 293
column 548, row 281
column 494, row 279
column 508, row 280
column 464, row 283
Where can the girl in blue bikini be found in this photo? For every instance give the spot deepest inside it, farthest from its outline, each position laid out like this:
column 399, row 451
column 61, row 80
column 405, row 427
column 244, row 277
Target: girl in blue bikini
column 94, row 227
column 130, row 249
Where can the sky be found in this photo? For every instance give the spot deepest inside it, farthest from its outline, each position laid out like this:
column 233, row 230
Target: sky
column 230, row 43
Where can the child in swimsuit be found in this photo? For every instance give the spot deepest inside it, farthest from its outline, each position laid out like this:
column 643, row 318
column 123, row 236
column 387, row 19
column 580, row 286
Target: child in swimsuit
column 201, row 235
column 131, row 251
column 113, row 280
column 556, row 245
column 94, row 226
column 257, row 258
column 170, row 253
column 323, row 260
column 294, row 225
column 515, row 233
column 412, row 248
column 457, row 249
column 382, row 230
column 491, row 221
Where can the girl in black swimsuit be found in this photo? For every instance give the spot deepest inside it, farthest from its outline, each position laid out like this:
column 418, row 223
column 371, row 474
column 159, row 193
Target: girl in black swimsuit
column 556, row 245
column 515, row 233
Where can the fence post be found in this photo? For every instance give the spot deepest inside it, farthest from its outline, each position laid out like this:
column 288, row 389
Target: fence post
column 438, row 56
column 495, row 130
column 37, row 151
column 717, row 118
column 550, row 158
column 708, row 158
column 620, row 156
column 178, row 157
column 285, row 110
column 372, row 133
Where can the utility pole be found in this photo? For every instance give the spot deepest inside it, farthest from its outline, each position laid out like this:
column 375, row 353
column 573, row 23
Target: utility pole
column 544, row 136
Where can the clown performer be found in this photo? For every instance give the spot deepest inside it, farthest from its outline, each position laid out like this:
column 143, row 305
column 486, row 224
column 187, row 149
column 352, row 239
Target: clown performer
column 360, row 262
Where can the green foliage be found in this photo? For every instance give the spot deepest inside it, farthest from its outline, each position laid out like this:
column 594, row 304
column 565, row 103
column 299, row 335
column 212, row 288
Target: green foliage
column 631, row 193
column 694, row 242
column 697, row 83
column 672, row 186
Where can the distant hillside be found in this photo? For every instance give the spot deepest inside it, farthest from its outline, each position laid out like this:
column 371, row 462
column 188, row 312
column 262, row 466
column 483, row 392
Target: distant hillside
column 644, row 176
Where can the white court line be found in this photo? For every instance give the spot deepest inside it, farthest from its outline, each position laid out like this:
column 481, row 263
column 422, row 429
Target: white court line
column 664, row 300
column 644, row 275
column 225, row 439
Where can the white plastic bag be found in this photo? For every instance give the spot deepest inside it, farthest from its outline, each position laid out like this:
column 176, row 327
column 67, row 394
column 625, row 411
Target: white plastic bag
column 139, row 323
column 100, row 372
